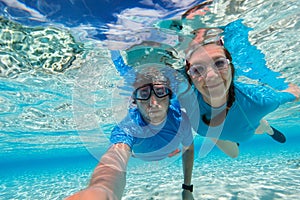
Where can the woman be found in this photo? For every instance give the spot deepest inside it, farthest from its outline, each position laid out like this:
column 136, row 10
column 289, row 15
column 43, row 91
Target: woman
column 231, row 112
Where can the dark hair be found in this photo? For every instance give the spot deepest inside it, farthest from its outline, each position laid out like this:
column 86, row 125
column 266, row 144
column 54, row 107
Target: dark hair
column 231, row 93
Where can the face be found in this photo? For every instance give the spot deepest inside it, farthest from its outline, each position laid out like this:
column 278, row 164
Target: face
column 215, row 81
column 153, row 102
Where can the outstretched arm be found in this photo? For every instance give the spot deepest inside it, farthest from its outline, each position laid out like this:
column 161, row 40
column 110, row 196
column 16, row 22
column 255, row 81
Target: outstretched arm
column 188, row 163
column 109, row 178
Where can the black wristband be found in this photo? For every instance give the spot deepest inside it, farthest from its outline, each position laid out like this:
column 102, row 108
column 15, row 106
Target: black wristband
column 187, row 187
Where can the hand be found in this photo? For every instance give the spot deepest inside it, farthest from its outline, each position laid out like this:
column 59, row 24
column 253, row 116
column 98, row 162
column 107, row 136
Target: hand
column 187, row 195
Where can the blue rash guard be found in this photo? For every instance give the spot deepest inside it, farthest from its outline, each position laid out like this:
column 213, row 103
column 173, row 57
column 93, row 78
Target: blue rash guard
column 150, row 142
column 251, row 104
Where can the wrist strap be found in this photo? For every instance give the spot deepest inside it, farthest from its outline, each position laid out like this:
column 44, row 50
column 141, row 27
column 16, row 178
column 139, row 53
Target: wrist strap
column 187, row 187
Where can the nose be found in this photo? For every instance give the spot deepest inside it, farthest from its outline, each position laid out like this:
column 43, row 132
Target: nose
column 211, row 72
column 153, row 100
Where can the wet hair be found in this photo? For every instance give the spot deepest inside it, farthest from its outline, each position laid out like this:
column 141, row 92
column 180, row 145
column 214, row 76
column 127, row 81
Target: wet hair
column 195, row 8
column 231, row 93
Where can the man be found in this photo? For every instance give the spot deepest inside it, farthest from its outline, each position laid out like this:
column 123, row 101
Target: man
column 153, row 130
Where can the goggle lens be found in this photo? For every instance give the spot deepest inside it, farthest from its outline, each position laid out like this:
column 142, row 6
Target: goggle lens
column 200, row 70
column 144, row 92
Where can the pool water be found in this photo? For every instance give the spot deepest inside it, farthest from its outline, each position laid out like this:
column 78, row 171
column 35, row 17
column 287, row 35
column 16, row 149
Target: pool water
column 60, row 98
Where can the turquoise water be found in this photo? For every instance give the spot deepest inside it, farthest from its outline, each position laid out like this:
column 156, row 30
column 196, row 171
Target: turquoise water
column 59, row 100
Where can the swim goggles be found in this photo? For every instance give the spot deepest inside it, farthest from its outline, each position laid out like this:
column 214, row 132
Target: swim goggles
column 144, row 92
column 200, row 70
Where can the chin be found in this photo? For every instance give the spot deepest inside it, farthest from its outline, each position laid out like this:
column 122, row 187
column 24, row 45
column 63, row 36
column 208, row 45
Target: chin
column 157, row 118
column 215, row 95
column 218, row 91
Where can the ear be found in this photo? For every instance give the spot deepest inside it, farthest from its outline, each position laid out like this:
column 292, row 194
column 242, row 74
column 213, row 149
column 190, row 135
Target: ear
column 132, row 100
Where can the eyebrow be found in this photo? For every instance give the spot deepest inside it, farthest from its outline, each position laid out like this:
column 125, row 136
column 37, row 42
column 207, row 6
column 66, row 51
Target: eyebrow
column 213, row 58
column 219, row 56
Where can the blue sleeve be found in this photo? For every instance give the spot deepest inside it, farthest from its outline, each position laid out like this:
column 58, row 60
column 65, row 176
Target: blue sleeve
column 119, row 136
column 119, row 62
column 265, row 98
column 125, row 70
column 272, row 97
column 285, row 97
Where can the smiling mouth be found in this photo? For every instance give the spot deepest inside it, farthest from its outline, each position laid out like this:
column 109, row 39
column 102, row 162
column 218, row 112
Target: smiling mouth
column 213, row 86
